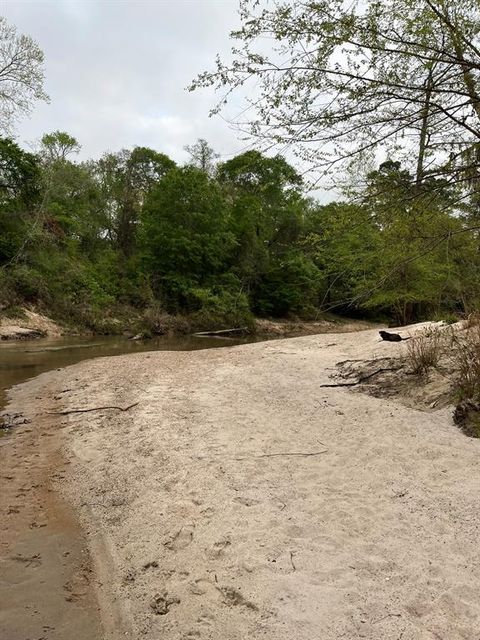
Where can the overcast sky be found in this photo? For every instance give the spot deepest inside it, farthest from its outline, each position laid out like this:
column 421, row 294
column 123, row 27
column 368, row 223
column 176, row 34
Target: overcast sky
column 116, row 71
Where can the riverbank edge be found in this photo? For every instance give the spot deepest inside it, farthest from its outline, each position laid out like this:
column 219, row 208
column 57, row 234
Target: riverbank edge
column 47, row 528
column 29, row 324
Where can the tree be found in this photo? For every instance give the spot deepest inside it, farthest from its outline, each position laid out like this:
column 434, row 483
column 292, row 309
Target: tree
column 344, row 79
column 185, row 234
column 56, row 146
column 19, row 194
column 265, row 193
column 343, row 241
column 266, row 203
column 21, row 75
column 202, row 156
column 125, row 180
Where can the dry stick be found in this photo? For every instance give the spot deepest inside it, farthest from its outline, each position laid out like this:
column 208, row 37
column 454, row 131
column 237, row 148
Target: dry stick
column 362, row 379
column 271, row 455
column 291, row 560
column 64, row 413
column 389, row 615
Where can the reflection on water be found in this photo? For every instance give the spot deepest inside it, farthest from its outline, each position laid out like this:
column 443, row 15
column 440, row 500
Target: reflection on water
column 22, row 360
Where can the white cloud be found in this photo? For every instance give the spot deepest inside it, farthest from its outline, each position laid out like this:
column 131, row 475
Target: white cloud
column 116, row 72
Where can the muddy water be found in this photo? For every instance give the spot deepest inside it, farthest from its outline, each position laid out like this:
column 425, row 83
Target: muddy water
column 22, row 360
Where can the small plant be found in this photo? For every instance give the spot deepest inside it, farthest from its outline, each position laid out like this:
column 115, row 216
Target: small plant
column 424, row 351
column 466, row 382
column 14, row 311
column 466, row 355
column 473, row 320
column 467, row 417
column 447, row 318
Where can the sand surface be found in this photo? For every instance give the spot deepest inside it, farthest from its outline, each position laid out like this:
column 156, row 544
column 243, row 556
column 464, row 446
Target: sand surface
column 239, row 500
column 31, row 325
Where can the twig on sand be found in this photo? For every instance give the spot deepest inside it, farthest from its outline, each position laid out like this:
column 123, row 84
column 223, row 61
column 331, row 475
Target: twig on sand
column 291, row 560
column 93, row 504
column 293, row 453
column 389, row 615
column 362, row 379
column 65, row 413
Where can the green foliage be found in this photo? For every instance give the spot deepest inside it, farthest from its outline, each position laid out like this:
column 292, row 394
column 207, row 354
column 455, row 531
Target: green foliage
column 186, row 240
column 19, row 194
column 219, row 306
column 133, row 240
column 290, row 285
column 56, row 146
column 339, row 79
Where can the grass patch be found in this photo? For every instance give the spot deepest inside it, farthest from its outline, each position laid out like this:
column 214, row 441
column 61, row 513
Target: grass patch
column 466, row 363
column 424, row 351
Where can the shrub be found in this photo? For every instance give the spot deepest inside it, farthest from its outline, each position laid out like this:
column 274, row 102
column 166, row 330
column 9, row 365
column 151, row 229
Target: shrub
column 29, row 283
column 473, row 320
column 219, row 307
column 424, row 351
column 466, row 355
column 467, row 417
column 448, row 317
column 159, row 322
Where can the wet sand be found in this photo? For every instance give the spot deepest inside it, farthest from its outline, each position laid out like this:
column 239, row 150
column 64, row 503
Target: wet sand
column 241, row 500
column 46, row 585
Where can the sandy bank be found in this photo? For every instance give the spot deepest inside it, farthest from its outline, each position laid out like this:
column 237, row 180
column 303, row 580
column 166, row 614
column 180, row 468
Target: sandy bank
column 31, row 325
column 239, row 500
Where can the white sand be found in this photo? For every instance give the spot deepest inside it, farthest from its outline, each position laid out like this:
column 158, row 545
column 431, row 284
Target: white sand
column 375, row 537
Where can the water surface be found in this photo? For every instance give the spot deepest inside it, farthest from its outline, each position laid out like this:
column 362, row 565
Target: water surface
column 21, row 360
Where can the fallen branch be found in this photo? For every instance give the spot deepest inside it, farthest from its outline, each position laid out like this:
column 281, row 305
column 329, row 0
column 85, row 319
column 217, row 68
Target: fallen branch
column 294, row 453
column 363, row 378
column 389, row 615
column 221, row 332
column 65, row 413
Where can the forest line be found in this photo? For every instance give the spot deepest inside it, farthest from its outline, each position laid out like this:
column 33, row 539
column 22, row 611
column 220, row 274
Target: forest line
column 135, row 233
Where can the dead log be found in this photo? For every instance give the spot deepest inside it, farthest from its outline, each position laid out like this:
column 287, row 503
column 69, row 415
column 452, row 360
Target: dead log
column 220, row 332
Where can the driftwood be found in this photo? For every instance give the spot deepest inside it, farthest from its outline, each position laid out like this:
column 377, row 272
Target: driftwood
column 65, row 413
column 222, row 332
column 362, row 379
column 66, row 347
column 294, row 453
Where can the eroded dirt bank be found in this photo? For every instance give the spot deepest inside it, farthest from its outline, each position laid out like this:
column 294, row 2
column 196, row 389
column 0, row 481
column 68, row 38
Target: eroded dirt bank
column 240, row 500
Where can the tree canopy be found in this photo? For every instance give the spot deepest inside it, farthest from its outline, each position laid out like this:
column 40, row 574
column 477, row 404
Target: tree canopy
column 340, row 80
column 21, row 75
column 135, row 231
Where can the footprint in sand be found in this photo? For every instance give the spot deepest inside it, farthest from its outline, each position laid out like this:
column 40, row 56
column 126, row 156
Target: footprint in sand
column 220, row 547
column 248, row 502
column 181, row 539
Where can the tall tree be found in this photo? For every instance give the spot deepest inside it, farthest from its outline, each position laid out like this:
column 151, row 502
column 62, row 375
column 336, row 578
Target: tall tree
column 19, row 195
column 267, row 218
column 344, row 78
column 21, row 75
column 126, row 178
column 186, row 236
column 202, row 156
column 58, row 145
